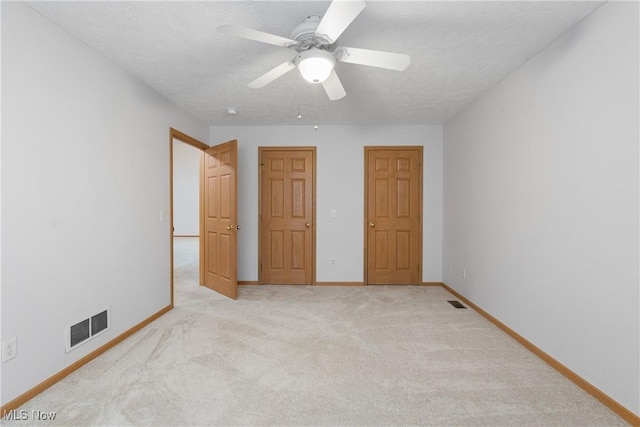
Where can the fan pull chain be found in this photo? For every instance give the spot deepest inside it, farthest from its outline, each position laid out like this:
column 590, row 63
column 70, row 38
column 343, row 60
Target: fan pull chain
column 299, row 116
column 315, row 127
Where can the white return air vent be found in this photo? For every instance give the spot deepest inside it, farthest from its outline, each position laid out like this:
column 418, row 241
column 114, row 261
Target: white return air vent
column 87, row 329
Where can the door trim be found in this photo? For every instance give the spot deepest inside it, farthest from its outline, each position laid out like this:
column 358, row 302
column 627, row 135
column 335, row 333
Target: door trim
column 367, row 149
column 313, row 151
column 183, row 137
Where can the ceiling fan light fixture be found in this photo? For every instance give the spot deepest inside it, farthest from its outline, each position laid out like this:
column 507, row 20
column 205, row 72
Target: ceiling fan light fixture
column 315, row 65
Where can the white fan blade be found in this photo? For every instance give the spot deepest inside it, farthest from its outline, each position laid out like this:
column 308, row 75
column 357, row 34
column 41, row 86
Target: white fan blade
column 259, row 36
column 270, row 76
column 334, row 87
column 374, row 58
column 337, row 18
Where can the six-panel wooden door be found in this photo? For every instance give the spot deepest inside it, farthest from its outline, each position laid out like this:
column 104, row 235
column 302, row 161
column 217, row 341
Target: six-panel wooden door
column 220, row 222
column 287, row 238
column 393, row 236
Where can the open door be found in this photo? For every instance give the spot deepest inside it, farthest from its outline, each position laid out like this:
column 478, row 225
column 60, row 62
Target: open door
column 220, row 227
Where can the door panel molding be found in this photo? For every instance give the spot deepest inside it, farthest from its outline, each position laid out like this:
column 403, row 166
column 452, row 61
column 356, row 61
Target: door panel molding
column 393, row 214
column 287, row 215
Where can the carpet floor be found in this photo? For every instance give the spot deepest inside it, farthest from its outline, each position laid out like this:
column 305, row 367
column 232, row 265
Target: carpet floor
column 303, row 355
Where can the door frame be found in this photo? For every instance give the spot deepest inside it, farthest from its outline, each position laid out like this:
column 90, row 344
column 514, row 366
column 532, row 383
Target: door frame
column 183, row 137
column 313, row 151
column 367, row 149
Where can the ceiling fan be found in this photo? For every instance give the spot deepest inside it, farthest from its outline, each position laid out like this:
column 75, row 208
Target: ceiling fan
column 317, row 50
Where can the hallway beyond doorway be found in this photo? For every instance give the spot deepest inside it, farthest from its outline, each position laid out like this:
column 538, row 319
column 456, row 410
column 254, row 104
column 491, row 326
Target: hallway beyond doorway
column 186, row 265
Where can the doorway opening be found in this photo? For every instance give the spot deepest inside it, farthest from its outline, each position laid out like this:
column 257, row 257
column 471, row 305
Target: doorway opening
column 186, row 157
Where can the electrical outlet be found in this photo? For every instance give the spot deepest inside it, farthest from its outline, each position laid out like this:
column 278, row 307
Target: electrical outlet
column 9, row 349
column 333, row 261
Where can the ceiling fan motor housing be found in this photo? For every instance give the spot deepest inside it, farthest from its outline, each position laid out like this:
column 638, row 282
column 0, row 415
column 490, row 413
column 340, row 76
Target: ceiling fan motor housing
column 305, row 34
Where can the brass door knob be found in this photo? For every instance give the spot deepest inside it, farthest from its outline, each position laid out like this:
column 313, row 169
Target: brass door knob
column 371, row 224
column 229, row 227
column 307, row 225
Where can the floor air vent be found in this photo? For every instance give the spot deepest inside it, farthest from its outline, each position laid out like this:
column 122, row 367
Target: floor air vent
column 86, row 329
column 456, row 304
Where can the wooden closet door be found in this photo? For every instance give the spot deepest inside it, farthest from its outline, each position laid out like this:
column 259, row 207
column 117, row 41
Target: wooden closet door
column 287, row 215
column 393, row 215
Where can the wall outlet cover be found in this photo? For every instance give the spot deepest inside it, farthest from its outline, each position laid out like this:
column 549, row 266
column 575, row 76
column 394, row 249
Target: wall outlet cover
column 9, row 349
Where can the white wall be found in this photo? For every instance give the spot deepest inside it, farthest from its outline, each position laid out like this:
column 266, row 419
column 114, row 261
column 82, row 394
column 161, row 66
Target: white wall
column 186, row 189
column 541, row 201
column 85, row 173
column 340, row 186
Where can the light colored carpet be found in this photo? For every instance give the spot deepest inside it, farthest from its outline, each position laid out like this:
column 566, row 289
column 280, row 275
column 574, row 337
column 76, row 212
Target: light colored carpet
column 301, row 355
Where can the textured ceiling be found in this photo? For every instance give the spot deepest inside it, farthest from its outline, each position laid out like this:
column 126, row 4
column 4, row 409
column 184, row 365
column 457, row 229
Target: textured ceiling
column 458, row 50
